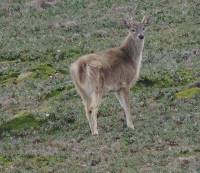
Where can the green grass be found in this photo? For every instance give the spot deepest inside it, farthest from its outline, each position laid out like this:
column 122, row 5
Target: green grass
column 42, row 123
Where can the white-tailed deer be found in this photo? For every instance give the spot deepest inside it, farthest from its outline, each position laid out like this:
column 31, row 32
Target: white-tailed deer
column 116, row 69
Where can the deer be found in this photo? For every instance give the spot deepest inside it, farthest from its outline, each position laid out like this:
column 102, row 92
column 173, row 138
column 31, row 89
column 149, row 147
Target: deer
column 113, row 70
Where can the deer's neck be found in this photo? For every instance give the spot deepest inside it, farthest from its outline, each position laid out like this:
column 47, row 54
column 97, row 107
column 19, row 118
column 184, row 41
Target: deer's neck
column 133, row 48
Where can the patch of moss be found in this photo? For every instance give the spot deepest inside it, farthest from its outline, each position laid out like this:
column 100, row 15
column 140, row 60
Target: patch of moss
column 164, row 78
column 188, row 93
column 54, row 92
column 44, row 161
column 21, row 121
column 185, row 153
column 8, row 78
column 43, row 71
column 4, row 160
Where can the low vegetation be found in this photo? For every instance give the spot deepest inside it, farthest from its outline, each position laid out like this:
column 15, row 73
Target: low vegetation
column 42, row 123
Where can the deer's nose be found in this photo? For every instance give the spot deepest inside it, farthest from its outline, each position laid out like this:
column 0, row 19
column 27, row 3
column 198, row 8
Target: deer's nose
column 141, row 37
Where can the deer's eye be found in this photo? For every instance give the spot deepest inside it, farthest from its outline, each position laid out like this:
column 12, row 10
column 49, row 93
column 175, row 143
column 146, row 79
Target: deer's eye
column 133, row 30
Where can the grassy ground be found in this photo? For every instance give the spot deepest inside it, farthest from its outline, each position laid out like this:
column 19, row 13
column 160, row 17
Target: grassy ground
column 42, row 123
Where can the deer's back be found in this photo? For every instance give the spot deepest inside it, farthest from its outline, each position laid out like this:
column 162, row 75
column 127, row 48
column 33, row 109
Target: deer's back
column 112, row 69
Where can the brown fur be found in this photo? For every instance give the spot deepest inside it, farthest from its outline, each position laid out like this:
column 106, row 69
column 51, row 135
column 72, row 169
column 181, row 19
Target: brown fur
column 116, row 70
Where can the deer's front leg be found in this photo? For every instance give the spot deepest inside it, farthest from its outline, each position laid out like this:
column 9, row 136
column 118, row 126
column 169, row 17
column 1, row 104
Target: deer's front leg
column 123, row 97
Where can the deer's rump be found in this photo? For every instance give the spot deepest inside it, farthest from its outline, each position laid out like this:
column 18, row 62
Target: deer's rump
column 87, row 75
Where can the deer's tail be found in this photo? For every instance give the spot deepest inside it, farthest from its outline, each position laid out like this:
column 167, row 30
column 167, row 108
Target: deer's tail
column 78, row 75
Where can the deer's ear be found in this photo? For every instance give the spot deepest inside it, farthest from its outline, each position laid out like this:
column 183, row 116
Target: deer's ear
column 147, row 20
column 127, row 23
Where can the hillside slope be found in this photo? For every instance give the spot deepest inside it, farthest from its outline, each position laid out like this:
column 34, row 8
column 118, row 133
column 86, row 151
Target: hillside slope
column 42, row 123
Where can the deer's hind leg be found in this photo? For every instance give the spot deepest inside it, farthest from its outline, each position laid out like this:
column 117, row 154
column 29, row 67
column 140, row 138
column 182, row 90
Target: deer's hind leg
column 88, row 103
column 86, row 100
column 93, row 100
column 123, row 97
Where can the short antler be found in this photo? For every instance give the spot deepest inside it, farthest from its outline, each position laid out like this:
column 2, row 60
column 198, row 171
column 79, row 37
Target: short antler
column 127, row 23
column 147, row 20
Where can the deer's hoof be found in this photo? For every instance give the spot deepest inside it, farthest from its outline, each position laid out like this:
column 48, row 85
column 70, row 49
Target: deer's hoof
column 95, row 133
column 131, row 126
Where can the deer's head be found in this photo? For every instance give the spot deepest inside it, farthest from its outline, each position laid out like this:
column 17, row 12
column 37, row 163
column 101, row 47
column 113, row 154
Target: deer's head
column 137, row 29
